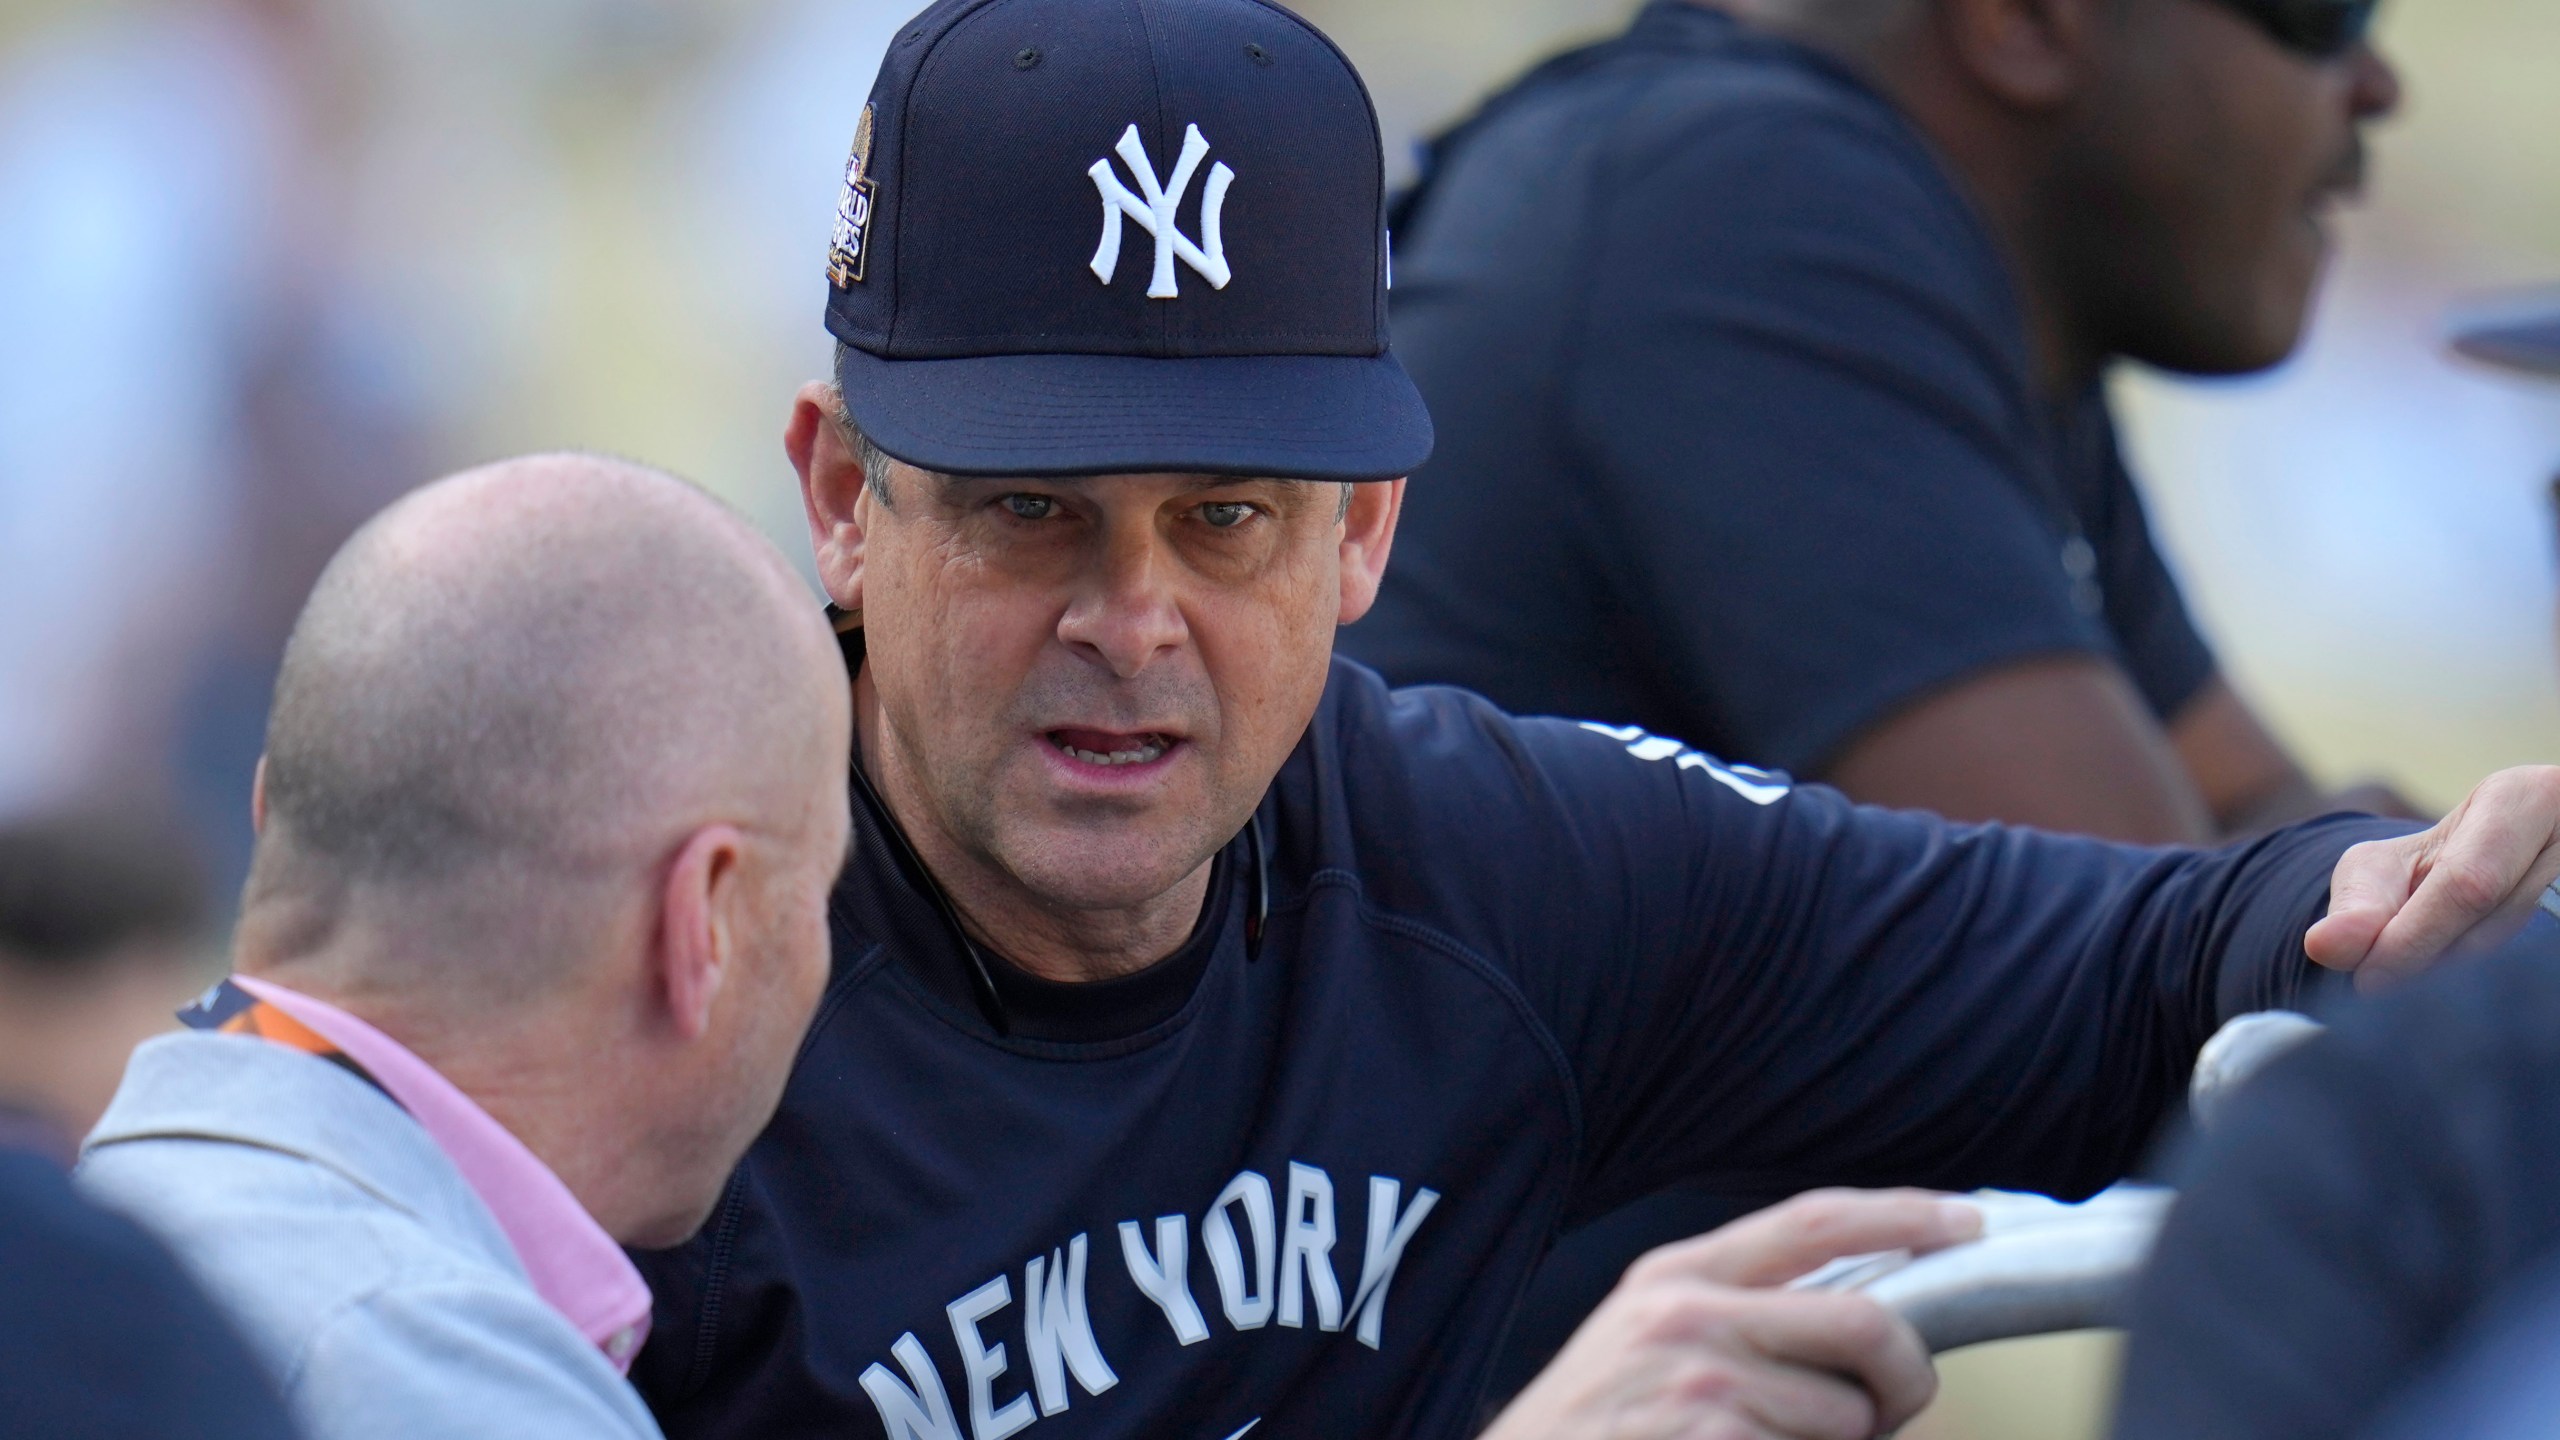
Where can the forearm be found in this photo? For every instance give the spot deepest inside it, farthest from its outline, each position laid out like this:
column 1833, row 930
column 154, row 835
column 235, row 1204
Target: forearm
column 2247, row 778
column 2057, row 742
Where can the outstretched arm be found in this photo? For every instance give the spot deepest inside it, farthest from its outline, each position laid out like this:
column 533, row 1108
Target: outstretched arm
column 1767, row 987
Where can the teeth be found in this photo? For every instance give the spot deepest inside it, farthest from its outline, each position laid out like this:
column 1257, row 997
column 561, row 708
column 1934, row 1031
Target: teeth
column 1153, row 749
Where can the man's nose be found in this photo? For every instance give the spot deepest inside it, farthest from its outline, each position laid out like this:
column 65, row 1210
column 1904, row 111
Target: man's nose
column 2374, row 83
column 1126, row 613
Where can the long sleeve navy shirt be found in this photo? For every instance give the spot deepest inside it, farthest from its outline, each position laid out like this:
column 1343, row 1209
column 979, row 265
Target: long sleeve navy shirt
column 1515, row 972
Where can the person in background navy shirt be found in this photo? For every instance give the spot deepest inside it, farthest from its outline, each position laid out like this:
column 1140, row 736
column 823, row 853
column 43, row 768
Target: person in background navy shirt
column 1767, row 354
column 2368, row 1238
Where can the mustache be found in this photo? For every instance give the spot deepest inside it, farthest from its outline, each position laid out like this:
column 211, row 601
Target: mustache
column 1062, row 690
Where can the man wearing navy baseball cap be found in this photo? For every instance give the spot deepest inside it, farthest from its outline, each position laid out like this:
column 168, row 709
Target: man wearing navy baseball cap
column 1221, row 165
column 1216, row 1037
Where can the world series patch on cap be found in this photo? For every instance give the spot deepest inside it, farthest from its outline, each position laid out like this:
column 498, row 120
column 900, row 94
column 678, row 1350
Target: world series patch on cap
column 1083, row 237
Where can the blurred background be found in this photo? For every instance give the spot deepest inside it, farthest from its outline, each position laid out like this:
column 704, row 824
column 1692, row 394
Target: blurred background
column 264, row 264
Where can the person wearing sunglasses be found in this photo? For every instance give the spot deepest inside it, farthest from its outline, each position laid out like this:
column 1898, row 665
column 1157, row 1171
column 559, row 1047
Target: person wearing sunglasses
column 1807, row 306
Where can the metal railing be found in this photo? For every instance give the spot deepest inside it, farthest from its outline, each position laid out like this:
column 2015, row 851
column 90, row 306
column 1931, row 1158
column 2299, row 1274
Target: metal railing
column 2043, row 1267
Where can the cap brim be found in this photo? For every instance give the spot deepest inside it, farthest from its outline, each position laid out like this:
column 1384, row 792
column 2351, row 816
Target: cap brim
column 2520, row 335
column 1303, row 417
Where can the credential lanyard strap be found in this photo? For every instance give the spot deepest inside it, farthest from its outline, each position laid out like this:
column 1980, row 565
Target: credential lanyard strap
column 227, row 1009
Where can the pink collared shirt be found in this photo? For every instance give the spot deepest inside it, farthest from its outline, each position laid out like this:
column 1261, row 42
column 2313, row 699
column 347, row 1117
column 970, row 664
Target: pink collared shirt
column 573, row 1264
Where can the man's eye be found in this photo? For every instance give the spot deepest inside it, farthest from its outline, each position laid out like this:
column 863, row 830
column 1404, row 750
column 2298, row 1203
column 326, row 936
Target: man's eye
column 1031, row 507
column 1225, row 514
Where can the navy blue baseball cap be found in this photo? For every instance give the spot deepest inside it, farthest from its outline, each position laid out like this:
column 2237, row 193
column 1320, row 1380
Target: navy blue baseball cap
column 1086, row 237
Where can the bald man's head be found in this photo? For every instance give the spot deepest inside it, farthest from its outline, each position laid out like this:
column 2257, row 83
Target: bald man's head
column 513, row 692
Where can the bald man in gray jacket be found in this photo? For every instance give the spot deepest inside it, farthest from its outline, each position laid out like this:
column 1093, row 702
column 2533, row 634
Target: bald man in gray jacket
column 553, row 797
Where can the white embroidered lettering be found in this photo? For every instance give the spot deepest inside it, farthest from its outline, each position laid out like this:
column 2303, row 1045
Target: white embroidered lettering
column 981, row 1362
column 1757, row 786
column 1388, row 1233
column 917, row 1408
column 1161, row 1278
column 1246, row 1310
column 1306, row 1250
column 1155, row 211
column 1056, row 1331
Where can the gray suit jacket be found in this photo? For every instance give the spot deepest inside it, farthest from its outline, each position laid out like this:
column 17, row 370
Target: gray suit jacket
column 356, row 1258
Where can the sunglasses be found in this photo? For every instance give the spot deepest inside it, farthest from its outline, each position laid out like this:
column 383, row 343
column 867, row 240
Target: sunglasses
column 2320, row 29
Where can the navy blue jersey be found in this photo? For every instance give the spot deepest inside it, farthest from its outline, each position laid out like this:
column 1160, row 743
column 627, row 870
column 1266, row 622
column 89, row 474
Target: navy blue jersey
column 1514, row 973
column 1740, row 436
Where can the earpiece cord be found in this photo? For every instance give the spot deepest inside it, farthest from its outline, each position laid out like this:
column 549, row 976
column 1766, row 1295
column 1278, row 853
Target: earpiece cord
column 1261, row 916
column 990, row 1000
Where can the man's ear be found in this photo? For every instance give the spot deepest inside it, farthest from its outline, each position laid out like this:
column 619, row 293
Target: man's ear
column 2032, row 55
column 258, row 798
column 698, row 926
column 832, row 490
column 1368, row 533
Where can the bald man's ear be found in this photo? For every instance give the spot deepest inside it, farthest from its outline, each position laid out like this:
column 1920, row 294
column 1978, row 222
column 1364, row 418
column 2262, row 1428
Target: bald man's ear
column 2033, row 55
column 258, row 798
column 1368, row 534
column 831, row 491
column 700, row 927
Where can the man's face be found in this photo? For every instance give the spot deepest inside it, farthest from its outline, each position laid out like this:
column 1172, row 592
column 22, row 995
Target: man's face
column 2210, row 163
column 1086, row 685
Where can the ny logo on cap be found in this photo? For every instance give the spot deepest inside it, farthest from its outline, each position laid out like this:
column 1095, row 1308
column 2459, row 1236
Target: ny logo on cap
column 1155, row 212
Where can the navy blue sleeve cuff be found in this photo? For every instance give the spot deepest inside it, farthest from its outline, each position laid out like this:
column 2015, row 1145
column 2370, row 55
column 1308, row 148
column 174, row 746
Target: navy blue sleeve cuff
column 2263, row 964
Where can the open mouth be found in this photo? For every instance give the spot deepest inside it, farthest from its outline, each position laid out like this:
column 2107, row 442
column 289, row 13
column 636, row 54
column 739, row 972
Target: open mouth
column 1108, row 749
column 2343, row 186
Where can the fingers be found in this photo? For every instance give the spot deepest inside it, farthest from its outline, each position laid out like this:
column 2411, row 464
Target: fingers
column 1693, row 1343
column 2490, row 871
column 1786, row 1240
column 2372, row 881
column 1672, row 1356
column 1848, row 1335
column 1801, row 1404
column 2464, row 883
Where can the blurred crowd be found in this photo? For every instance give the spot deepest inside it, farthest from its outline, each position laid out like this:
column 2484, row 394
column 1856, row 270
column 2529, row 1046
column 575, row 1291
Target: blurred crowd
column 267, row 264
